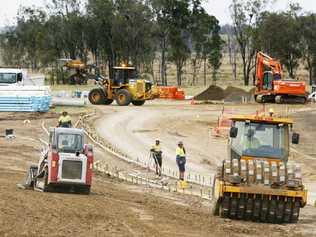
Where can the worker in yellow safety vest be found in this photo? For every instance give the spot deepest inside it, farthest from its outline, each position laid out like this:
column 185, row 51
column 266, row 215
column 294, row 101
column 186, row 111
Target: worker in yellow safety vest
column 181, row 159
column 64, row 120
column 157, row 156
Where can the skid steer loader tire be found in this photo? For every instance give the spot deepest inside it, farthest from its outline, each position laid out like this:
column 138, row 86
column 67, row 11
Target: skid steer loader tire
column 46, row 187
column 123, row 97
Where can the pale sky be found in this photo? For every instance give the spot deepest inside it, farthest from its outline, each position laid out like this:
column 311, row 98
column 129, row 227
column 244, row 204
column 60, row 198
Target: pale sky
column 218, row 8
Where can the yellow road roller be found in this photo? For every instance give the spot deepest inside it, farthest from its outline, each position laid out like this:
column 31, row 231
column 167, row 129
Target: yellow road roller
column 258, row 182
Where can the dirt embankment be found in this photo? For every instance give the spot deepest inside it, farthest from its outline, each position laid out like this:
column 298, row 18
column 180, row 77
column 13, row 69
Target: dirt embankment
column 230, row 94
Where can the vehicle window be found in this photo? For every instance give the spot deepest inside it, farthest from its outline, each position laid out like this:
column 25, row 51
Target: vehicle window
column 8, row 78
column 261, row 140
column 69, row 142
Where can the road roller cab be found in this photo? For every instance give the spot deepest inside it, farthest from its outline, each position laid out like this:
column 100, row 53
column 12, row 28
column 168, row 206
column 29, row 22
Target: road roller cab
column 267, row 138
column 258, row 182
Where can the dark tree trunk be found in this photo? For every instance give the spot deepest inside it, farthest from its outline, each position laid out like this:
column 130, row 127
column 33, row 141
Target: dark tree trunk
column 194, row 72
column 246, row 75
column 163, row 67
column 204, row 71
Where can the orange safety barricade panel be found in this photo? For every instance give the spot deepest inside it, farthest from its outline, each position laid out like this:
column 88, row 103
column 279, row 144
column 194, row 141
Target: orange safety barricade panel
column 171, row 92
column 223, row 124
column 180, row 95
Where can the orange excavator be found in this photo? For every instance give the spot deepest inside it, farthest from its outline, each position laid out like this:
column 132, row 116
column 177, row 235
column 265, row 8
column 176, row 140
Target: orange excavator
column 270, row 85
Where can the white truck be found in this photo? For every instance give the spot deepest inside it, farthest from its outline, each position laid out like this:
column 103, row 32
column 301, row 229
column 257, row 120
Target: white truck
column 312, row 97
column 12, row 76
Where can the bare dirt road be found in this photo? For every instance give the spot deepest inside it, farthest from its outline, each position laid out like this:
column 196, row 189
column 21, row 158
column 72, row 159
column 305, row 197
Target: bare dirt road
column 115, row 208
column 134, row 129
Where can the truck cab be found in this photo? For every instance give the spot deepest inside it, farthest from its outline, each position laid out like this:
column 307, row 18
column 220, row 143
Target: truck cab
column 11, row 76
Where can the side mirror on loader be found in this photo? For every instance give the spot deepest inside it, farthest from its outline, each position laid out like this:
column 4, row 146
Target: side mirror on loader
column 295, row 138
column 233, row 132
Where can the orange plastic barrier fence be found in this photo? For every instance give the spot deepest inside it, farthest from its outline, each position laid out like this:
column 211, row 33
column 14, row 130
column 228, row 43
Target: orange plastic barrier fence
column 171, row 92
column 223, row 124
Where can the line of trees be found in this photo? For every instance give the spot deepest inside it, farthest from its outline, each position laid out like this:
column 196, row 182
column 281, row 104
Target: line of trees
column 288, row 36
column 142, row 32
column 111, row 32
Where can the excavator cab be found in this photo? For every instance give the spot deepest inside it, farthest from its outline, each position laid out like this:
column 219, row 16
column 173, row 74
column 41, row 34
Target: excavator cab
column 267, row 80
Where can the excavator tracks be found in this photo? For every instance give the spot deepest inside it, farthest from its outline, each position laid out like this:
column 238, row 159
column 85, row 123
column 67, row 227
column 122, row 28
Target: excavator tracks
column 279, row 99
column 258, row 176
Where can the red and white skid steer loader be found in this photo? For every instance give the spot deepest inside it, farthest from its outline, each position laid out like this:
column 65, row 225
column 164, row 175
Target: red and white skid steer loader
column 66, row 164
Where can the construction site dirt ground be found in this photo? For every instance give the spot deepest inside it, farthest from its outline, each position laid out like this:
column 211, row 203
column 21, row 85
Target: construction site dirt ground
column 116, row 208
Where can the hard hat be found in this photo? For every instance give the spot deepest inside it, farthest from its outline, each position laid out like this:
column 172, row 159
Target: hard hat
column 157, row 140
column 271, row 111
column 180, row 143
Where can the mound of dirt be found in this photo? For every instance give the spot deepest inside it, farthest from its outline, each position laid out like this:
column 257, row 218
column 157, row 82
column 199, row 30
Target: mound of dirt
column 231, row 94
column 211, row 93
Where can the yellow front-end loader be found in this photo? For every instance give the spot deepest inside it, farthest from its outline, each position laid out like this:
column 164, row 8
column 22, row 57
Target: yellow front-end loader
column 258, row 182
column 125, row 87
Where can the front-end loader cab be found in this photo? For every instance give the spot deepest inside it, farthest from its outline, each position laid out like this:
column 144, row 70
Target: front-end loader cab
column 257, row 182
column 122, row 75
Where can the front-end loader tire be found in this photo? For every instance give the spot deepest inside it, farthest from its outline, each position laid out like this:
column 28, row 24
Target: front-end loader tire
column 96, row 96
column 123, row 97
column 138, row 102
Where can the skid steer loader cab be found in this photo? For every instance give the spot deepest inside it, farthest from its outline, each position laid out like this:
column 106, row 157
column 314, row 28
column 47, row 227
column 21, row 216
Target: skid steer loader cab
column 257, row 182
column 68, row 163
